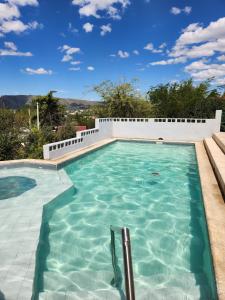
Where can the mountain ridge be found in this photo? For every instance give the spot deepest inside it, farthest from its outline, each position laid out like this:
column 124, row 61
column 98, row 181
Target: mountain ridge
column 19, row 101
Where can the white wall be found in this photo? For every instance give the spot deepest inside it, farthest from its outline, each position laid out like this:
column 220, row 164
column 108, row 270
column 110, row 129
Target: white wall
column 83, row 139
column 170, row 129
column 167, row 129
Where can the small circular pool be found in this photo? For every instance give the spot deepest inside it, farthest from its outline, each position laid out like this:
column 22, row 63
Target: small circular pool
column 13, row 186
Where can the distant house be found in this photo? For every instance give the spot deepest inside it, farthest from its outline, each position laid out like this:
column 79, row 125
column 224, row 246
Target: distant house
column 80, row 127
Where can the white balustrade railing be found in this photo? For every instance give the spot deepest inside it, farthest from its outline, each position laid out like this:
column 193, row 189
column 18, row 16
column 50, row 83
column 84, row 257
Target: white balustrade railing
column 176, row 129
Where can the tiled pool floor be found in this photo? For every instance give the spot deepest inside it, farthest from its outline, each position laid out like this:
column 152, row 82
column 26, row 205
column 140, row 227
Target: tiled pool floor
column 20, row 221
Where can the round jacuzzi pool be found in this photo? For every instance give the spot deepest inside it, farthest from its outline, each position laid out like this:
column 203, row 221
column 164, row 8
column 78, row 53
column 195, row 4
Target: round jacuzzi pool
column 13, row 186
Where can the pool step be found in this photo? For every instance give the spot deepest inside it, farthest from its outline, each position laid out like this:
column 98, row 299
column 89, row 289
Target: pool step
column 141, row 294
column 77, row 281
column 217, row 159
column 82, row 295
column 219, row 138
column 96, row 285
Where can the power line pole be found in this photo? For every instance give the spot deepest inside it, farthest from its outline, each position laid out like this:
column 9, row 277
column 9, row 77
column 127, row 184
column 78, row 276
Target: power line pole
column 29, row 118
column 38, row 120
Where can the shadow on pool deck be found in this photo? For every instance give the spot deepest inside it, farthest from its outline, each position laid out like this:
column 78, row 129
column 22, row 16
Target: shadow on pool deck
column 14, row 186
column 2, row 297
column 201, row 262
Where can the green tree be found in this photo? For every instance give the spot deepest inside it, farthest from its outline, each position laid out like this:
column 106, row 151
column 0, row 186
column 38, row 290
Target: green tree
column 52, row 113
column 35, row 141
column 121, row 100
column 84, row 118
column 10, row 136
column 65, row 132
column 185, row 99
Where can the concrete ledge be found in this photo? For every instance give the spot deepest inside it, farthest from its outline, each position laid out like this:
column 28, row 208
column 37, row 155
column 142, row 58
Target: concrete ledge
column 217, row 159
column 220, row 140
column 35, row 163
column 53, row 164
column 215, row 216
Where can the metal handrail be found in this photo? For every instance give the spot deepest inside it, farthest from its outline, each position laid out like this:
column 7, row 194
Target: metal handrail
column 127, row 258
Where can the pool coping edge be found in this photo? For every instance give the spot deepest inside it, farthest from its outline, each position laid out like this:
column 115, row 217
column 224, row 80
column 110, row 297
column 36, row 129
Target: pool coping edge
column 215, row 216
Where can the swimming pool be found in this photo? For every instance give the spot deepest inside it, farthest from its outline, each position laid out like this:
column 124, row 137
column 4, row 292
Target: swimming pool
column 154, row 190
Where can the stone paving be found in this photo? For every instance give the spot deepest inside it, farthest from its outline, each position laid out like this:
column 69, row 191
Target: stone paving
column 20, row 221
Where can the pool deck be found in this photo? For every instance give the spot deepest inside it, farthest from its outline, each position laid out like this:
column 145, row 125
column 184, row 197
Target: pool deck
column 20, row 218
column 215, row 215
column 20, row 222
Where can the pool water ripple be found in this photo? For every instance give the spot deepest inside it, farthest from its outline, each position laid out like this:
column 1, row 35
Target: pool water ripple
column 152, row 189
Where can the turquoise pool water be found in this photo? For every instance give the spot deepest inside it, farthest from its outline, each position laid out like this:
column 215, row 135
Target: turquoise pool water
column 154, row 190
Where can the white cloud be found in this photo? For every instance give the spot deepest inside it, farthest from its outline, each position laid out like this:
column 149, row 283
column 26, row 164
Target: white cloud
column 105, row 29
column 150, row 47
column 200, row 70
column 141, row 69
column 10, row 45
column 170, row 61
column 72, row 29
column 197, row 41
column 112, row 8
column 162, row 46
column 176, row 10
column 90, row 68
column 24, row 2
column 136, row 52
column 76, row 62
column 69, row 52
column 88, row 27
column 15, row 26
column 40, row 71
column 187, row 10
column 221, row 58
column 195, row 33
column 220, row 81
column 10, row 14
column 11, row 50
column 157, row 51
column 74, row 69
column 123, row 54
column 35, row 25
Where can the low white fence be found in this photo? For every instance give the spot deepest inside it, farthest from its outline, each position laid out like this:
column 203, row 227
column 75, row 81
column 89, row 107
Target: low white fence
column 171, row 129
column 83, row 139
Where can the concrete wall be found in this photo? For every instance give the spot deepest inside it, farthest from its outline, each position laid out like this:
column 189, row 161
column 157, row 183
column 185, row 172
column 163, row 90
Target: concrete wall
column 83, row 139
column 171, row 129
column 167, row 129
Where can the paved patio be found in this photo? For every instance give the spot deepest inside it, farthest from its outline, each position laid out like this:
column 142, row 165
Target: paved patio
column 20, row 221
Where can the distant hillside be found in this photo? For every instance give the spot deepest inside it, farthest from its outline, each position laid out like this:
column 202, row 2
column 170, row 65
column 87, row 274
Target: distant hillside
column 18, row 101
column 14, row 102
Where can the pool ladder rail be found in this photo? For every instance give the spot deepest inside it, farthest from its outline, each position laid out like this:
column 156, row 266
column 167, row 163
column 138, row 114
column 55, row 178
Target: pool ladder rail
column 127, row 259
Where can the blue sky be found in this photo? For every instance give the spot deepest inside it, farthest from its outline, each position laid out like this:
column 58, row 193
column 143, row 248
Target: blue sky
column 71, row 45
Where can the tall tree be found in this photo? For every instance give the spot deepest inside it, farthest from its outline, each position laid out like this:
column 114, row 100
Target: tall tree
column 52, row 113
column 185, row 99
column 121, row 100
column 10, row 137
